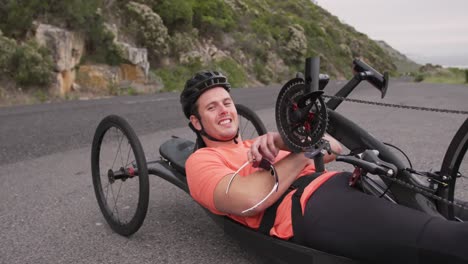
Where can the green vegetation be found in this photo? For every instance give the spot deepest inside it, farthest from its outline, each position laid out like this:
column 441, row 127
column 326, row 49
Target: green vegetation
column 248, row 40
column 213, row 17
column 31, row 65
column 449, row 76
column 176, row 14
column 27, row 64
column 80, row 15
column 117, row 91
column 437, row 74
column 236, row 74
column 174, row 77
column 100, row 44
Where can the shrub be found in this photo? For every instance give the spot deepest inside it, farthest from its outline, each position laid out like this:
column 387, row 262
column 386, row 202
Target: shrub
column 17, row 16
column 101, row 47
column 152, row 32
column 176, row 14
column 419, row 77
column 27, row 64
column 73, row 14
column 271, row 26
column 235, row 72
column 183, row 42
column 212, row 17
column 32, row 65
column 174, row 77
column 261, row 72
column 7, row 49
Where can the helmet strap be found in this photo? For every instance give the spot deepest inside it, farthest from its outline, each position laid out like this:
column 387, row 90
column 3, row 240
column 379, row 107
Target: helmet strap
column 203, row 133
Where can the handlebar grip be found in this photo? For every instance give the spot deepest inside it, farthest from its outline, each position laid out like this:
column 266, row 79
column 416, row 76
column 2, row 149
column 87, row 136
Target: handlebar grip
column 372, row 156
column 370, row 74
column 360, row 66
column 367, row 166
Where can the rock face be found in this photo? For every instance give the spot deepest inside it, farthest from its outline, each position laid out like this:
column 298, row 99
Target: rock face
column 136, row 72
column 106, row 79
column 67, row 49
column 137, row 56
column 98, row 79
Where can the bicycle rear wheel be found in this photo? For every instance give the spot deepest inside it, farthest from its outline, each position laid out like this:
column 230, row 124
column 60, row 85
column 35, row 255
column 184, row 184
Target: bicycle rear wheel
column 120, row 175
column 250, row 125
column 455, row 167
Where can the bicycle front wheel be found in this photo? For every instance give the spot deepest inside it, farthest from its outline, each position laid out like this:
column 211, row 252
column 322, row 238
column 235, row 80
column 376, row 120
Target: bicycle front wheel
column 455, row 169
column 120, row 175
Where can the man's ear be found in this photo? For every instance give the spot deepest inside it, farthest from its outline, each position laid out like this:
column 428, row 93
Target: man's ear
column 195, row 122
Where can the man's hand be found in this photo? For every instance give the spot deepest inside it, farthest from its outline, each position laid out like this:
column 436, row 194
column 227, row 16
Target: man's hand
column 266, row 146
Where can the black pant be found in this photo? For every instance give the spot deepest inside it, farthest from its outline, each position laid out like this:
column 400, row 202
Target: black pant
column 344, row 221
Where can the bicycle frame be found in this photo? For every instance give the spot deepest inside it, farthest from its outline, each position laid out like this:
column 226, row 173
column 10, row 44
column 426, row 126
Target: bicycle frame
column 174, row 152
column 356, row 139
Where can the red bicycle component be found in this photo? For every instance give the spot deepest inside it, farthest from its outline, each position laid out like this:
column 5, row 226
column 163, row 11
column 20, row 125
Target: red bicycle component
column 355, row 177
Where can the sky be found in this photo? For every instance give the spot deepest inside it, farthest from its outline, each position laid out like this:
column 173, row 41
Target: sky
column 427, row 31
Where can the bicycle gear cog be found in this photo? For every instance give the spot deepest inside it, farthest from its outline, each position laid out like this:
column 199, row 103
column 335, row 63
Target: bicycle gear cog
column 301, row 118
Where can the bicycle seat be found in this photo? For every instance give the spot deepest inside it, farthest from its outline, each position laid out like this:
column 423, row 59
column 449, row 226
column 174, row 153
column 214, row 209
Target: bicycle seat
column 177, row 151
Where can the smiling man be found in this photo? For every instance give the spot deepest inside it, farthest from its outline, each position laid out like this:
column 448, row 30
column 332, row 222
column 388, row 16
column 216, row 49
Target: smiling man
column 319, row 210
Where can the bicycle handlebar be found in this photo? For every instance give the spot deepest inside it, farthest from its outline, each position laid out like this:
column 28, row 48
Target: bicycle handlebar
column 366, row 72
column 369, row 161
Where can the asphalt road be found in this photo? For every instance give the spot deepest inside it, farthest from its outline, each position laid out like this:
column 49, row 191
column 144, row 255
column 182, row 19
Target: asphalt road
column 48, row 212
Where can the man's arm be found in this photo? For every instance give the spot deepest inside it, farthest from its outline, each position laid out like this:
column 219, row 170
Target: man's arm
column 245, row 192
column 268, row 145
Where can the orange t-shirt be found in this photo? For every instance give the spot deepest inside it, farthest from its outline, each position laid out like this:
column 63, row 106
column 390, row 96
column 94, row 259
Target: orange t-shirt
column 207, row 166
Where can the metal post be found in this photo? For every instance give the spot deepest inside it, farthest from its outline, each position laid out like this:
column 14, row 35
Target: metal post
column 312, row 69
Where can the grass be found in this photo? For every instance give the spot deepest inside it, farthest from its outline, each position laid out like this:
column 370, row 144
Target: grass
column 174, row 77
column 447, row 76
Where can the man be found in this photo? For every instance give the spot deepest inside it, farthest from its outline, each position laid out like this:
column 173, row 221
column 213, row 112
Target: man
column 379, row 231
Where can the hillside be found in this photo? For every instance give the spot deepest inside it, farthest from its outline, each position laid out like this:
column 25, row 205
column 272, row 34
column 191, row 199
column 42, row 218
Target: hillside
column 64, row 48
column 402, row 62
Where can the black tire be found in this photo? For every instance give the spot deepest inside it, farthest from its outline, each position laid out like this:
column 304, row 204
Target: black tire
column 455, row 166
column 250, row 125
column 125, row 214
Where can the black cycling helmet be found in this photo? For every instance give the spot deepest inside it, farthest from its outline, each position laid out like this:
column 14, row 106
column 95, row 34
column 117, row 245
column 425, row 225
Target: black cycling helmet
column 198, row 84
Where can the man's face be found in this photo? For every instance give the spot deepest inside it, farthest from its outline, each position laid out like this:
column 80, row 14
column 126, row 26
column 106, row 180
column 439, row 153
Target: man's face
column 218, row 114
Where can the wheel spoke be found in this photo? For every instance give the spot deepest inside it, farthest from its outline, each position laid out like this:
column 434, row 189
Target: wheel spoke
column 118, row 149
column 107, row 189
column 128, row 155
column 115, row 203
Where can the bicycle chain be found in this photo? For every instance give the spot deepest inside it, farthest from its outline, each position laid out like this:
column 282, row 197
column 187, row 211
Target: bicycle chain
column 398, row 106
column 424, row 192
column 399, row 181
